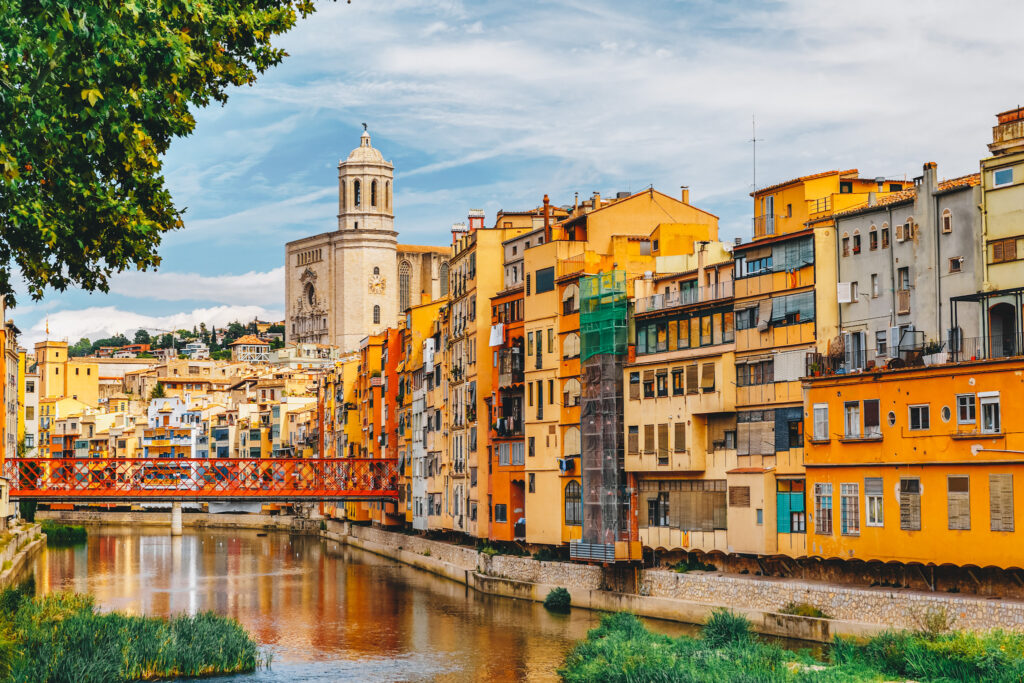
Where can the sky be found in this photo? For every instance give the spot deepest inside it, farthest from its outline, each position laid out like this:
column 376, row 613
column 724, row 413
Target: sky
column 491, row 105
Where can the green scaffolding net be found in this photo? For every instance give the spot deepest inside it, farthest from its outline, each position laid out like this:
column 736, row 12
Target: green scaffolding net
column 603, row 314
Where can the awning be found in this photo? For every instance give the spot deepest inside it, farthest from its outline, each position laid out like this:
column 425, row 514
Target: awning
column 497, row 334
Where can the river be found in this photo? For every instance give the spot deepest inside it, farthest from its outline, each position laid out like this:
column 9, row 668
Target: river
column 327, row 612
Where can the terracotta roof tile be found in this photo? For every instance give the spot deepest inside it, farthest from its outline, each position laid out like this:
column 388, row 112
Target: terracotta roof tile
column 812, row 176
column 249, row 339
column 963, row 181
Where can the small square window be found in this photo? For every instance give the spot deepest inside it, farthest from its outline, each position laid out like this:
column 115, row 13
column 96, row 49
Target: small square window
column 920, row 418
column 1002, row 177
column 956, row 264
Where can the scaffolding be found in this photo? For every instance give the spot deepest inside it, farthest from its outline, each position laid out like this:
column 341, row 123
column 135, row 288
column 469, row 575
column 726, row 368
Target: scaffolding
column 606, row 501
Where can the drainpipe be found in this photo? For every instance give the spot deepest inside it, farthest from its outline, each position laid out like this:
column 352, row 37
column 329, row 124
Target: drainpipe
column 892, row 277
column 931, row 185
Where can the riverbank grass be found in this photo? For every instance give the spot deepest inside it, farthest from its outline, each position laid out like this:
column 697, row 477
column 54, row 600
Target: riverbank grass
column 622, row 650
column 61, row 637
column 63, row 534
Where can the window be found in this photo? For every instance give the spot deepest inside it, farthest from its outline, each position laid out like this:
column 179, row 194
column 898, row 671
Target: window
column 881, row 343
column 633, row 440
column 947, row 222
column 663, row 444
column 885, row 237
column 746, row 319
column 739, row 496
column 873, row 239
column 1002, row 177
column 989, row 413
column 910, row 504
column 373, row 193
column 956, row 264
column 501, row 513
column 545, row 279
column 679, row 443
column 357, row 195
column 873, row 496
column 30, row 387
column 854, row 291
column 846, row 246
column 1000, row 501
column 573, row 504
column 965, row 409
column 532, row 481
column 823, row 509
column 551, row 340
column 649, row 439
column 872, row 418
column 662, row 383
column 875, row 289
column 678, row 381
column 958, row 502
column 728, row 332
column 903, row 278
column 845, row 187
column 760, row 516
column 920, row 417
column 849, row 509
column 821, row 422
column 376, row 315
column 634, row 385
column 404, row 283
column 648, row 383
column 856, row 243
column 529, row 343
column 532, row 443
column 657, row 510
column 851, row 419
column 1004, row 250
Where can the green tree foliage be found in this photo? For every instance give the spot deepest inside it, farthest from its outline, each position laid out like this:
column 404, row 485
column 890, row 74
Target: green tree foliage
column 82, row 347
column 91, row 96
column 278, row 329
column 158, row 391
column 142, row 337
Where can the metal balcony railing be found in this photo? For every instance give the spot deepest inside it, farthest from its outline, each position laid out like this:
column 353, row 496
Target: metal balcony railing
column 765, row 225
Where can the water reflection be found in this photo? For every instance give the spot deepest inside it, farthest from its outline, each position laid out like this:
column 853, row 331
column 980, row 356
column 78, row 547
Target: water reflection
column 328, row 612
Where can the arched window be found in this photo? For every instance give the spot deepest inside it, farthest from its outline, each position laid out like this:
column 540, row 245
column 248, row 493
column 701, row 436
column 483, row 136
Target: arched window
column 947, row 221
column 444, row 279
column 373, row 193
column 376, row 315
column 387, row 195
column 376, row 270
column 571, row 442
column 573, row 504
column 356, row 193
column 341, row 196
column 571, row 346
column 571, row 394
column 570, row 300
column 404, row 283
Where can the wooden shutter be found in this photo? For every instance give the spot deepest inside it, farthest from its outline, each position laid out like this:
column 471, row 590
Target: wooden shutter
column 663, row 441
column 910, row 505
column 1000, row 500
column 958, row 502
column 739, row 496
column 1010, row 249
column 997, row 251
column 707, row 377
column 691, row 379
column 634, row 440
column 634, row 387
column 648, row 438
column 680, row 437
column 742, row 438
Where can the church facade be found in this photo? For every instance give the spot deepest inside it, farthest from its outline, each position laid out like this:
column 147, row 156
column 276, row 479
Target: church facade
column 343, row 285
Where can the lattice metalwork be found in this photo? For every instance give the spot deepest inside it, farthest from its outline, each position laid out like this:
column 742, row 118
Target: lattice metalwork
column 125, row 479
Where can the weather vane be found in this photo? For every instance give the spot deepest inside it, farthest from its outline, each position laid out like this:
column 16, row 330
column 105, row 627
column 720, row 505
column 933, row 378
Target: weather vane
column 364, row 126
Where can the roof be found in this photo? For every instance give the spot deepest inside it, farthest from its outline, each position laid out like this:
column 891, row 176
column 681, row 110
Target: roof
column 803, row 178
column 969, row 180
column 422, row 249
column 746, row 470
column 908, row 195
column 249, row 339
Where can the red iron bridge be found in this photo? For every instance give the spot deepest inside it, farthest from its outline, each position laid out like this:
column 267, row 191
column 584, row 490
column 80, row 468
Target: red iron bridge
column 70, row 480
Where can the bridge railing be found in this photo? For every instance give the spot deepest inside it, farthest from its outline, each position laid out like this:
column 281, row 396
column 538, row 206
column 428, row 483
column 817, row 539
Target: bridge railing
column 201, row 478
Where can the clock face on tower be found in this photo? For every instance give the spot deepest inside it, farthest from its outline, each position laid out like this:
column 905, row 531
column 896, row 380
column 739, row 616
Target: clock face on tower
column 377, row 284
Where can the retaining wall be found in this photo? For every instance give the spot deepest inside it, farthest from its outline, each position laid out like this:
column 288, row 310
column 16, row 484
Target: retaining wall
column 19, row 551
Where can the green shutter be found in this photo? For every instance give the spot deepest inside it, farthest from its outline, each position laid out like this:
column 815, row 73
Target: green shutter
column 796, row 501
column 782, row 512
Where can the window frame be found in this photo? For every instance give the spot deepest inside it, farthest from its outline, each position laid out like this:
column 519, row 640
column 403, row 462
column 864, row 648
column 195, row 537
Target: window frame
column 823, row 523
column 924, row 425
column 849, row 509
column 995, row 177
column 988, row 400
column 960, row 406
column 814, row 418
column 874, row 504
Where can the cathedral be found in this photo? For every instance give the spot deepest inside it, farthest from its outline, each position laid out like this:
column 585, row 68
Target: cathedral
column 343, row 285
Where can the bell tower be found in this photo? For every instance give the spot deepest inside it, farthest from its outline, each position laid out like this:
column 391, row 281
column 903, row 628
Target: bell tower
column 365, row 188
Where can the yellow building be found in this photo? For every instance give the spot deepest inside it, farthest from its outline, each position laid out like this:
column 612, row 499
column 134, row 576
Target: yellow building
column 61, row 376
column 680, row 410
column 786, row 308
column 917, row 465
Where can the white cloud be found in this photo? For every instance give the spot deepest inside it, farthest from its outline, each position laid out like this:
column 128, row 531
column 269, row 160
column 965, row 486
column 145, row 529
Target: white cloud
column 252, row 288
column 98, row 322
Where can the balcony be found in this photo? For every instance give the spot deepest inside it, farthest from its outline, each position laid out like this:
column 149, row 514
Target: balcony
column 507, row 427
column 765, row 225
column 820, row 205
column 570, row 265
column 683, row 297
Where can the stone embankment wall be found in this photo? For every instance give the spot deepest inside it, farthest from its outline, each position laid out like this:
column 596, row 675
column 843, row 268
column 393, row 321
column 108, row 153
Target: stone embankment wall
column 663, row 594
column 23, row 546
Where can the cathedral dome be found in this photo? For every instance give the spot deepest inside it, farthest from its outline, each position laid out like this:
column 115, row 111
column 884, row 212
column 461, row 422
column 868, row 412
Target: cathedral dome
column 365, row 152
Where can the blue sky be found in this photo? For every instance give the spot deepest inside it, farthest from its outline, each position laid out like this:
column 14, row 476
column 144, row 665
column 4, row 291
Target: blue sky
column 491, row 105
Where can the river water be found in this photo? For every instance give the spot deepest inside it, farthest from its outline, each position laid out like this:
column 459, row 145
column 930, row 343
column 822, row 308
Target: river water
column 326, row 611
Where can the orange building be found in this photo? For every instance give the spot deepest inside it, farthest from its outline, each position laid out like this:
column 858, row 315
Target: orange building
column 917, row 465
column 506, row 483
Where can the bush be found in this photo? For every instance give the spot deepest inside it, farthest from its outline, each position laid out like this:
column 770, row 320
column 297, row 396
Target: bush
column 558, row 600
column 27, row 508
column 933, row 620
column 489, row 550
column 63, row 534
column 803, row 609
column 692, row 564
column 725, row 628
column 545, row 555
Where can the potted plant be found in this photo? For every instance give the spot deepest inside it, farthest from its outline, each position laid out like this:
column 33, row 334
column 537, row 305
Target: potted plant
column 933, row 354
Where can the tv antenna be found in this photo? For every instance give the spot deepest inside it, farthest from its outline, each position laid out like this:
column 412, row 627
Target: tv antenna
column 754, row 140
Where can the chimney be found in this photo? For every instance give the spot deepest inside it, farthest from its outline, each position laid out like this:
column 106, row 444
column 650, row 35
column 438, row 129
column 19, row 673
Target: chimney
column 931, row 181
column 872, row 198
column 597, row 200
column 547, row 219
column 686, row 193
column 738, row 241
